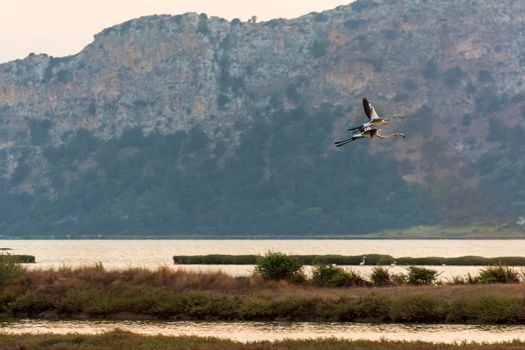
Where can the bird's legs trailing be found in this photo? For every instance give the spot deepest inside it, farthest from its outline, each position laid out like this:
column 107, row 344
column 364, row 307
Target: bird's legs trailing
column 344, row 142
column 357, row 128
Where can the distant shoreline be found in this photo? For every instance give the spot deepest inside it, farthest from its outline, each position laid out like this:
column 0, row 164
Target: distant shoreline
column 467, row 232
column 268, row 238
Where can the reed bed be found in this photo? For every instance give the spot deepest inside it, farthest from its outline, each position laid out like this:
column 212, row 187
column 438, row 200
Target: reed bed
column 368, row 259
column 118, row 340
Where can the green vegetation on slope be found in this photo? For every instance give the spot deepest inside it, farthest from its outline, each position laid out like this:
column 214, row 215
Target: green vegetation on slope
column 276, row 184
column 185, row 183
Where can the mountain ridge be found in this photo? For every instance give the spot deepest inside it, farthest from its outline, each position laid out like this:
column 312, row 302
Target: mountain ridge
column 253, row 109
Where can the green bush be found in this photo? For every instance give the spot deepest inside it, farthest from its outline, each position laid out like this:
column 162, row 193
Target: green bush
column 202, row 306
column 293, row 309
column 381, row 276
column 417, row 308
column 256, row 308
column 344, row 311
column 169, row 305
column 30, row 304
column 275, row 265
column 374, row 308
column 421, row 275
column 498, row 274
column 5, row 299
column 333, row 276
column 10, row 269
column 74, row 301
column 487, row 308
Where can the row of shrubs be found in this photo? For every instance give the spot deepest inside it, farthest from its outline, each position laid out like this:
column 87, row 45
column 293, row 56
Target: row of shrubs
column 276, row 265
column 368, row 259
column 145, row 301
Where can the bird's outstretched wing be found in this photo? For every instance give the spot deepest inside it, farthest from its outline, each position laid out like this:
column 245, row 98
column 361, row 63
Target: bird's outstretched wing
column 369, row 110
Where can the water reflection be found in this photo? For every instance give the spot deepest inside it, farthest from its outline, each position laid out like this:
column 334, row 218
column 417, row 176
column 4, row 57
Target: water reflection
column 257, row 331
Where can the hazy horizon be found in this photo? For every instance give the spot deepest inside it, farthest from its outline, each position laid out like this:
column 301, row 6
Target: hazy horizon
column 62, row 28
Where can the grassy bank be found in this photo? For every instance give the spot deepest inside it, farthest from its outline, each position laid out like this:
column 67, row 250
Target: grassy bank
column 122, row 340
column 21, row 259
column 369, row 259
column 92, row 292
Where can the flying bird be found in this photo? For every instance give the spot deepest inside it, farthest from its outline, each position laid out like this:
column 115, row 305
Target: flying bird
column 368, row 132
column 373, row 118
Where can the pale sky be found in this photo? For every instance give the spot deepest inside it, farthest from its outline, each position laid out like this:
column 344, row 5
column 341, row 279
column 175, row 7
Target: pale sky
column 64, row 27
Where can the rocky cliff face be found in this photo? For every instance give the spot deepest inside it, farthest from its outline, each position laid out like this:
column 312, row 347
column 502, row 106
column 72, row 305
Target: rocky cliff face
column 456, row 68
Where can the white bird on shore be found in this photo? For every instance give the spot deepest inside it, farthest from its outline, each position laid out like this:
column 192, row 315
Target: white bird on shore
column 362, row 262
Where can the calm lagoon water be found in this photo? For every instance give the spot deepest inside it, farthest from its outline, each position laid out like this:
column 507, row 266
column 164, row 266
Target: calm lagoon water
column 153, row 253
column 257, row 331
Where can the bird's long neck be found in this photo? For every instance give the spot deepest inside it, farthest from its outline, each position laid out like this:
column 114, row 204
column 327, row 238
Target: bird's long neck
column 388, row 136
column 392, row 118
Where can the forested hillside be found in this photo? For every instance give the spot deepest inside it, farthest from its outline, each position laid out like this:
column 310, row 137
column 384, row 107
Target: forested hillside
column 188, row 125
